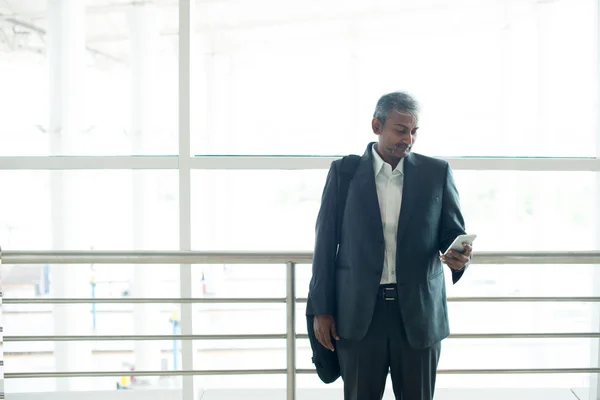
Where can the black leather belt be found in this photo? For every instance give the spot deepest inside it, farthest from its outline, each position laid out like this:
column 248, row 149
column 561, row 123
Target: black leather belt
column 388, row 292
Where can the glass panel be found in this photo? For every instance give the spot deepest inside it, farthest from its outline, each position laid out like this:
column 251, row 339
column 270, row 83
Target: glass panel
column 509, row 210
column 492, row 76
column 227, row 319
column 105, row 356
column 88, row 80
column 88, row 210
column 495, row 281
column 500, row 386
column 275, row 210
column 83, row 210
column 255, row 210
column 261, row 387
column 239, row 280
column 242, row 355
column 500, row 353
column 88, row 282
column 96, row 281
column 102, row 388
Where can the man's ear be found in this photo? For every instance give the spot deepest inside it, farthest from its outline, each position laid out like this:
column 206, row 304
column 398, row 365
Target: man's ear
column 376, row 126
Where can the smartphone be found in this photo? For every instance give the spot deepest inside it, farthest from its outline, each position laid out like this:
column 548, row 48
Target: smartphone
column 457, row 244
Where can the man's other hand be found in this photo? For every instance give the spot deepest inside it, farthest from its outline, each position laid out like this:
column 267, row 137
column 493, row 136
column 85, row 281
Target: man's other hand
column 457, row 260
column 324, row 330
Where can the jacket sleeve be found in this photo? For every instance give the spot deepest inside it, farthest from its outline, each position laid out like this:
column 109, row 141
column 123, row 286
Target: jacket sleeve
column 321, row 296
column 452, row 221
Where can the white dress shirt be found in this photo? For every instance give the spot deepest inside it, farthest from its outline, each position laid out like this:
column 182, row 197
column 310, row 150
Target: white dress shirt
column 389, row 193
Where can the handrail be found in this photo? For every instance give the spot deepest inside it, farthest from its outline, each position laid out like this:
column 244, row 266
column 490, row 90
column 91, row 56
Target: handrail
column 262, row 336
column 153, row 257
column 236, row 257
column 144, row 300
column 290, row 259
column 274, row 300
column 95, row 374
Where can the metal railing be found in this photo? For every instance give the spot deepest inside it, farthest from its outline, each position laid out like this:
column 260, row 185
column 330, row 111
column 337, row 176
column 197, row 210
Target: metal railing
column 290, row 260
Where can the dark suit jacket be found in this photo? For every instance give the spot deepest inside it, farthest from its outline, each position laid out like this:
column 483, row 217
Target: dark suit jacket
column 345, row 282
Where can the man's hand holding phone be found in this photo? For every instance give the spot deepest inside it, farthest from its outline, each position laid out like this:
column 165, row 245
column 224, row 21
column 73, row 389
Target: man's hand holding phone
column 457, row 260
column 459, row 252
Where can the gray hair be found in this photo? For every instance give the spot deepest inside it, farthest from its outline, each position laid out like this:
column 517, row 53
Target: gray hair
column 395, row 101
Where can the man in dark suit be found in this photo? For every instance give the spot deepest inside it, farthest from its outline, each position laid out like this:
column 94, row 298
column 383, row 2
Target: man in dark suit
column 380, row 295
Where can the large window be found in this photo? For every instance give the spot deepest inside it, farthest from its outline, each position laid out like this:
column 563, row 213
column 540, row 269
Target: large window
column 496, row 78
column 99, row 77
column 96, row 153
column 94, row 209
column 509, row 210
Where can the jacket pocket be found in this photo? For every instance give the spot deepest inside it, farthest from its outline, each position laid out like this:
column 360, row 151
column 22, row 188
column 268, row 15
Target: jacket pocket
column 436, row 275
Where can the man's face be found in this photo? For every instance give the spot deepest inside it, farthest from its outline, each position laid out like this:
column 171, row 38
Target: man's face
column 397, row 136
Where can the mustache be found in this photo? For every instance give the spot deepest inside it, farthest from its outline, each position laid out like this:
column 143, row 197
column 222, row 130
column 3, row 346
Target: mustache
column 400, row 145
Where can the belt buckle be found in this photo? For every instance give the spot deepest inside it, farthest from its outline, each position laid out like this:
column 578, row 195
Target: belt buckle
column 389, row 294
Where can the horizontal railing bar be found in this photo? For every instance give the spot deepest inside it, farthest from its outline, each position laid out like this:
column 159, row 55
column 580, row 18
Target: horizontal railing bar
column 149, row 300
column 277, row 300
column 515, row 371
column 520, row 371
column 532, row 258
column 523, row 299
column 511, row 299
column 92, row 374
column 267, row 300
column 96, row 374
column 153, row 257
column 202, row 257
column 554, row 335
column 557, row 335
column 52, row 338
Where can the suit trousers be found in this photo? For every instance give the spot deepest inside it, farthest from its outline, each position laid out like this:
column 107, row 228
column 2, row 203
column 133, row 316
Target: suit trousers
column 365, row 363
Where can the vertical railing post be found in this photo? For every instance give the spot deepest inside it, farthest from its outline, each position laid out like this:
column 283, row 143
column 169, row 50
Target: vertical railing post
column 185, row 201
column 1, row 330
column 291, row 330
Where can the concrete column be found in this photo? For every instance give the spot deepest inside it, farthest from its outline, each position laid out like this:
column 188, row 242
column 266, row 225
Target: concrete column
column 146, row 281
column 66, row 60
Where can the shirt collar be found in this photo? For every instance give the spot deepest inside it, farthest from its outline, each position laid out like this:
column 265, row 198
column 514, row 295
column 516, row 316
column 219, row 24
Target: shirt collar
column 378, row 163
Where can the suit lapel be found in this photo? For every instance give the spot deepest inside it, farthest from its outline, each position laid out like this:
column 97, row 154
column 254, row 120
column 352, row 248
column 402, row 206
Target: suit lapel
column 367, row 191
column 409, row 195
